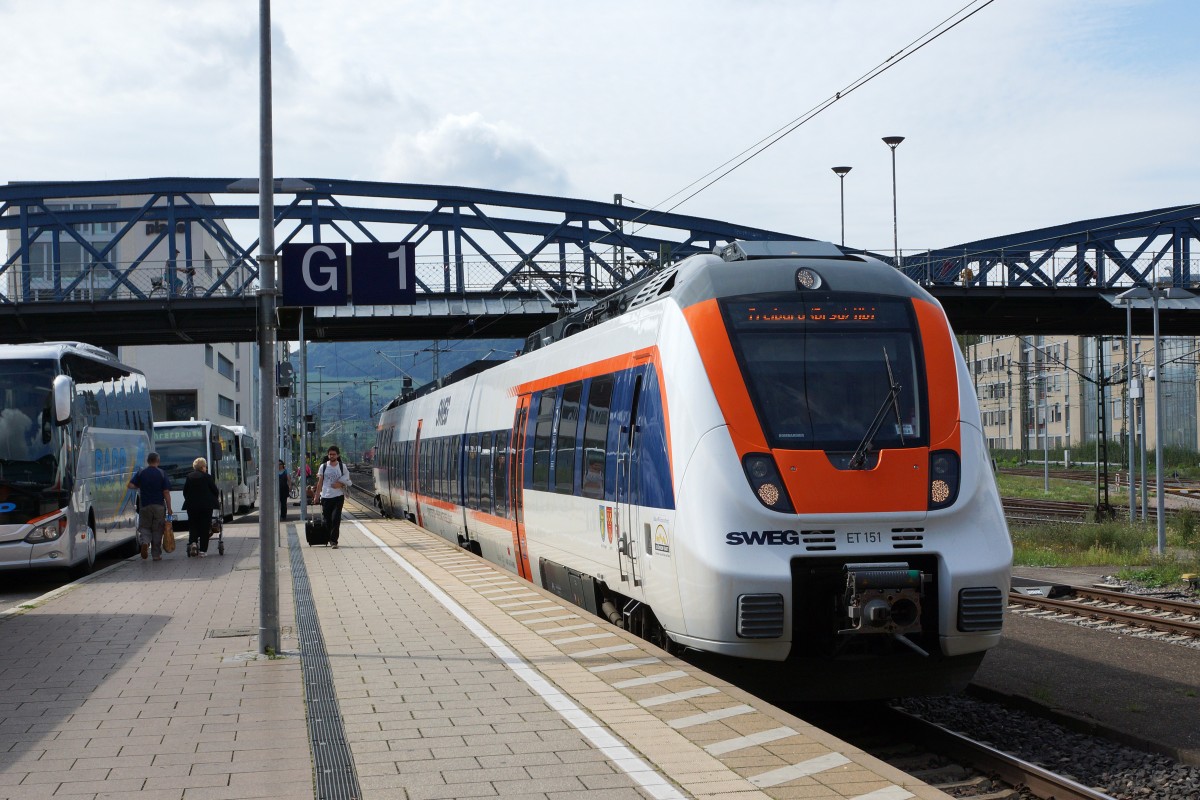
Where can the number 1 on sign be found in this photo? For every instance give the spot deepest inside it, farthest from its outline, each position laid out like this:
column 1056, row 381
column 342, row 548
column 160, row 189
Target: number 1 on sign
column 398, row 254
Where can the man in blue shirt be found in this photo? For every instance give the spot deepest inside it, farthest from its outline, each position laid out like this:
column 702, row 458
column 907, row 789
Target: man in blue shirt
column 154, row 504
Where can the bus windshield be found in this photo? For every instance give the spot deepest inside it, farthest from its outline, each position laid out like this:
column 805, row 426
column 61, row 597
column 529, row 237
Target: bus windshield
column 178, row 447
column 28, row 447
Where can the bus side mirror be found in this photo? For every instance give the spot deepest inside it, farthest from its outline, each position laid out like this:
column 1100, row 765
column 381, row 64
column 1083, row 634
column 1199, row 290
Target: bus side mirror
column 63, row 389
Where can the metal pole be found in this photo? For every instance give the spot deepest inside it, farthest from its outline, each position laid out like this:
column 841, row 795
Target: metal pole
column 1045, row 431
column 895, row 215
column 893, row 142
column 1158, row 433
column 1142, row 436
column 1129, row 402
column 842, row 204
column 841, row 173
column 268, row 525
column 303, row 480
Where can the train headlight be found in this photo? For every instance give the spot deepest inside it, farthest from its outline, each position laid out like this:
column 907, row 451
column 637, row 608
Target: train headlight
column 943, row 478
column 764, row 480
column 48, row 531
column 807, row 279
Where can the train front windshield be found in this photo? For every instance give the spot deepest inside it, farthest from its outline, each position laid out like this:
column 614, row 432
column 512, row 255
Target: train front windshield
column 821, row 369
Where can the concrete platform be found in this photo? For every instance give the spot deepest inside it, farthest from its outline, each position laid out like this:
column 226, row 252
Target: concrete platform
column 452, row 679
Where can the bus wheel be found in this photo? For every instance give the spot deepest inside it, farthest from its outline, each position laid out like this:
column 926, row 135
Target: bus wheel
column 86, row 566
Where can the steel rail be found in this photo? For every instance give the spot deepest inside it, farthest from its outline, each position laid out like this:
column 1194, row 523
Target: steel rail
column 1134, row 618
column 1012, row 770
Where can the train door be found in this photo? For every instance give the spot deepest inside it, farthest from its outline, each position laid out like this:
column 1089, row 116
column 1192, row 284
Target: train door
column 516, row 487
column 627, row 497
column 417, row 488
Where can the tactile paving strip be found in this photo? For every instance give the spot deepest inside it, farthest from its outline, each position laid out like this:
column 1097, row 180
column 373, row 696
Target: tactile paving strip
column 751, row 744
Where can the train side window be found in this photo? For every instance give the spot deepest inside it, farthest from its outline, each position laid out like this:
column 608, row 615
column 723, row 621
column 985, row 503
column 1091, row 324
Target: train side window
column 500, row 474
column 485, row 473
column 541, row 440
column 595, row 437
column 473, row 471
column 439, row 471
column 456, row 469
column 432, row 468
column 568, row 426
column 447, row 468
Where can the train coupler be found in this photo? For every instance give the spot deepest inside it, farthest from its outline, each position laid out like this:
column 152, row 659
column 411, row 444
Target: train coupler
column 882, row 598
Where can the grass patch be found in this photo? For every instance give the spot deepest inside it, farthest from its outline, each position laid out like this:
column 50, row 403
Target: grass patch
column 1033, row 488
column 1117, row 544
column 1160, row 574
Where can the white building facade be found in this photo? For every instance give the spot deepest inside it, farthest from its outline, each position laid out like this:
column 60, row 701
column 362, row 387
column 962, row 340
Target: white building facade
column 217, row 382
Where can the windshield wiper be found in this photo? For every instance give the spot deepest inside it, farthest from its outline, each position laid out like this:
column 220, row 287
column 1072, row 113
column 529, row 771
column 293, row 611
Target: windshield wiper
column 859, row 459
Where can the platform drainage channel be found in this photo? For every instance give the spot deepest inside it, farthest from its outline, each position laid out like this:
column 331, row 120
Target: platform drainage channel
column 335, row 775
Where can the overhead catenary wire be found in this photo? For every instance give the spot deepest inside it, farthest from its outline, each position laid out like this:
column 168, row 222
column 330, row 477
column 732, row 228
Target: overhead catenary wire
column 762, row 145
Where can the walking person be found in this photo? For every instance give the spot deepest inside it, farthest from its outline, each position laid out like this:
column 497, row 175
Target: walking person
column 200, row 498
column 332, row 481
column 154, row 506
column 285, row 489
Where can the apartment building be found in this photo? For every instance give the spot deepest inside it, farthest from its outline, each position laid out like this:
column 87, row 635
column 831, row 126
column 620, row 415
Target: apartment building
column 1062, row 391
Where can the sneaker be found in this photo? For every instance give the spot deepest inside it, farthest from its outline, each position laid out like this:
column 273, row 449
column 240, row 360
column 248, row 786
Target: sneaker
column 146, row 550
column 203, row 554
column 334, row 545
column 158, row 558
column 193, row 550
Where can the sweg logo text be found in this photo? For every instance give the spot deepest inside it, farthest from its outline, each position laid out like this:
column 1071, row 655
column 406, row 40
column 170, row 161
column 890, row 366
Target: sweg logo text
column 762, row 537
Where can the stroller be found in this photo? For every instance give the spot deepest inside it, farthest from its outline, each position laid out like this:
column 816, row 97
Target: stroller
column 218, row 529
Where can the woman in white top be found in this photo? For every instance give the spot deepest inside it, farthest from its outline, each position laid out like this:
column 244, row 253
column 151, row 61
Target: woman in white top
column 333, row 479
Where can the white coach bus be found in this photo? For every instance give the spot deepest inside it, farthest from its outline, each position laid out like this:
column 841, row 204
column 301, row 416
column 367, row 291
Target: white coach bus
column 180, row 443
column 75, row 425
column 248, row 472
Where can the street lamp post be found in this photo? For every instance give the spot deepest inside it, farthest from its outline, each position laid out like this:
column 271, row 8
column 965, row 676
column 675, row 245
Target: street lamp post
column 841, row 173
column 893, row 142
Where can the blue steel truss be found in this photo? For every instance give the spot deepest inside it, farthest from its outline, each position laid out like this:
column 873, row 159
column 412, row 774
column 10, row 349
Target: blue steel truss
column 1111, row 252
column 468, row 240
column 481, row 241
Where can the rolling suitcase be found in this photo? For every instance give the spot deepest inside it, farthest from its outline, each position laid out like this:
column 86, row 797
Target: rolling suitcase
column 316, row 531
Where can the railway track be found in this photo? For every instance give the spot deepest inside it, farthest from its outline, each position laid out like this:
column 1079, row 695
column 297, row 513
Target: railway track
column 1174, row 621
column 1023, row 510
column 1171, row 485
column 955, row 763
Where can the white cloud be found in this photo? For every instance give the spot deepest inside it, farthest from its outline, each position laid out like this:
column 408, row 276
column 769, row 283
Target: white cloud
column 1032, row 113
column 466, row 150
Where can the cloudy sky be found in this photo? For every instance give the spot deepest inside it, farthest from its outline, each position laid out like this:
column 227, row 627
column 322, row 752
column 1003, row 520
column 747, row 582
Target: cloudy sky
column 1030, row 113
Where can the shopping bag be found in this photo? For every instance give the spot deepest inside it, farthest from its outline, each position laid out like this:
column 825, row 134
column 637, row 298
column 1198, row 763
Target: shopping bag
column 168, row 544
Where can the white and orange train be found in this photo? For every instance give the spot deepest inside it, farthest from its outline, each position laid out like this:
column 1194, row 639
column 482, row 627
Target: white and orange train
column 771, row 454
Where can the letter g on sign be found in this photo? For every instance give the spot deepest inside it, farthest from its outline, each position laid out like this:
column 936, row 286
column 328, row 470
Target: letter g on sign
column 329, row 270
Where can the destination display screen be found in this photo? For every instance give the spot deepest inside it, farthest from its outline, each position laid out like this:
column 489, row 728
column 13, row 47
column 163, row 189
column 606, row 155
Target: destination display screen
column 178, row 434
column 857, row 311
